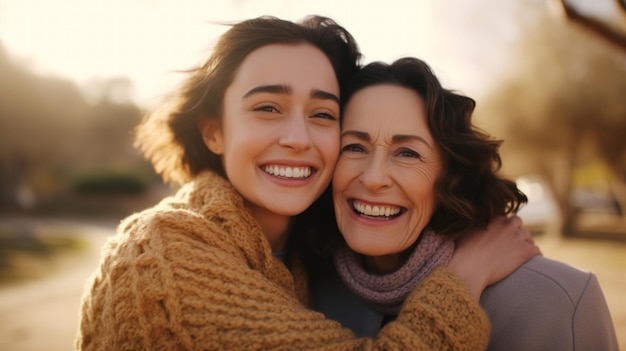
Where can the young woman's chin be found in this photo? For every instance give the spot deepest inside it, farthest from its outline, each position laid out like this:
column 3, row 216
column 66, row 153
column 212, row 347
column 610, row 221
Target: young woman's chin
column 283, row 206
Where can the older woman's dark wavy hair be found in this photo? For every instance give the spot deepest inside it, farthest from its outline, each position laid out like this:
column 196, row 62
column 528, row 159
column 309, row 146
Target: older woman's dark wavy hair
column 470, row 193
column 169, row 137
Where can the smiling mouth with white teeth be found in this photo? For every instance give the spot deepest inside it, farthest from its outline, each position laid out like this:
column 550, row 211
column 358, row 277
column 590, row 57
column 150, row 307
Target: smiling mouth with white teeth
column 377, row 212
column 288, row 172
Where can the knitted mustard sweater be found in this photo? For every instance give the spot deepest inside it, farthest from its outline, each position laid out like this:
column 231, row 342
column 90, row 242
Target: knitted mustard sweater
column 196, row 273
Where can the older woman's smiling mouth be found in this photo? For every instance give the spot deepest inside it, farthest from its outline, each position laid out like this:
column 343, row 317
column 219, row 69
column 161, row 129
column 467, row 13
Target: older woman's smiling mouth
column 376, row 211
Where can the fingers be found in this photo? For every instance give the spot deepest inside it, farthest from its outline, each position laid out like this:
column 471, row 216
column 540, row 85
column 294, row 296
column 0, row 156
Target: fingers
column 516, row 221
column 525, row 233
column 527, row 236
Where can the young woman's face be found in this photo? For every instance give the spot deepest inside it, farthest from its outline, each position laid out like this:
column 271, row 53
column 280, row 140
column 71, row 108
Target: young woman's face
column 384, row 180
column 279, row 131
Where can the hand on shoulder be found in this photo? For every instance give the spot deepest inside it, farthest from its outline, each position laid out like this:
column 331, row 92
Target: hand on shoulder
column 484, row 257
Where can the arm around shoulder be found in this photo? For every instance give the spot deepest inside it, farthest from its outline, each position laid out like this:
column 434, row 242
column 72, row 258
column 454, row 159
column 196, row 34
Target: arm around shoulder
column 160, row 287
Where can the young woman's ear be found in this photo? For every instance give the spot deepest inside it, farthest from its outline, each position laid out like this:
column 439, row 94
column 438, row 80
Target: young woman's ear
column 212, row 135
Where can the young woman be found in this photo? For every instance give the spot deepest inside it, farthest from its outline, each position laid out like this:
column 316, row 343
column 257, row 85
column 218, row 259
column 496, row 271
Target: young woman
column 412, row 175
column 253, row 137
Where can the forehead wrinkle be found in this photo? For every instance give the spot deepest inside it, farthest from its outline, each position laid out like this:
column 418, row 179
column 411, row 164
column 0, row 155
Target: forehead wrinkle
column 357, row 134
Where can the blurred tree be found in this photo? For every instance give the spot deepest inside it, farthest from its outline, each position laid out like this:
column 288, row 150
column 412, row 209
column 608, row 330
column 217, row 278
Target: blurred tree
column 561, row 106
column 601, row 28
column 37, row 116
column 48, row 131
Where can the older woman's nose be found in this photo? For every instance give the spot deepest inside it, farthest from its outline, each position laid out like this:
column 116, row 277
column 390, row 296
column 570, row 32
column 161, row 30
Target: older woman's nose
column 374, row 175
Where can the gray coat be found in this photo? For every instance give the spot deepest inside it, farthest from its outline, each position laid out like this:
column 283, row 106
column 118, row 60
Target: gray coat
column 544, row 305
column 548, row 305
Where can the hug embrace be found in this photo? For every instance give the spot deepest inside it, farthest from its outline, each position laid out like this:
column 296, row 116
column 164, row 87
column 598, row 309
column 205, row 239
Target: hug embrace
column 233, row 260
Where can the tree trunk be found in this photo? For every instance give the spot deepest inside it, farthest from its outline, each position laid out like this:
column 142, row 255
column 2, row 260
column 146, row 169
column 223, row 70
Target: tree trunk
column 8, row 183
column 557, row 171
column 618, row 189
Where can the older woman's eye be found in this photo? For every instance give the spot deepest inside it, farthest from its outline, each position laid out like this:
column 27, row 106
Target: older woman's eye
column 353, row 148
column 409, row 153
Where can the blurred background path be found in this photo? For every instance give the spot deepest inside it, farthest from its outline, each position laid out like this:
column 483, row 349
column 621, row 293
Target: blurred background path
column 43, row 314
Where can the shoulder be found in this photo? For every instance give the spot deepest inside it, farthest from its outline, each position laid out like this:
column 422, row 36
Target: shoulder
column 540, row 285
column 541, row 306
column 197, row 204
column 188, row 218
column 543, row 279
column 560, row 276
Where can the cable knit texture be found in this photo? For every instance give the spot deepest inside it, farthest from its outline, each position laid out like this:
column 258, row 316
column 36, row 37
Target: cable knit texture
column 195, row 272
column 386, row 293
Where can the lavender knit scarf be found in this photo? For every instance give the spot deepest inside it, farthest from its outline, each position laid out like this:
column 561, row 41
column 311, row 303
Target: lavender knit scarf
column 387, row 292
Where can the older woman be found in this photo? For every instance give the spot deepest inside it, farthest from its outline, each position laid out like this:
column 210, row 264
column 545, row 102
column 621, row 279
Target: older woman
column 414, row 175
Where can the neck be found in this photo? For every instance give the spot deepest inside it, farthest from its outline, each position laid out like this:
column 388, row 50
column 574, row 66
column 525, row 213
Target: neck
column 386, row 263
column 275, row 227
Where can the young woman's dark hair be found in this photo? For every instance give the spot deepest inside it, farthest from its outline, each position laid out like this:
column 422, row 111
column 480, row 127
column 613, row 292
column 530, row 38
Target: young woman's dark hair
column 169, row 137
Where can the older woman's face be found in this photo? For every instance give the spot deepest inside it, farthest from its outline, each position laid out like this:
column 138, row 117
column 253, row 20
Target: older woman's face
column 384, row 181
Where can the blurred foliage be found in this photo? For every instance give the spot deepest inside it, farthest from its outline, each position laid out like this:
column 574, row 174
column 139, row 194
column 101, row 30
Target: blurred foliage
column 51, row 132
column 26, row 253
column 561, row 108
column 109, row 183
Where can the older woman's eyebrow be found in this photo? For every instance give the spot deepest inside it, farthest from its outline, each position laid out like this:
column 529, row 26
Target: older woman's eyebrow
column 285, row 89
column 398, row 138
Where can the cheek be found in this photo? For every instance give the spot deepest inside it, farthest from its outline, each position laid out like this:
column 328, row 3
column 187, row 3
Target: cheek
column 344, row 173
column 420, row 187
column 341, row 180
column 425, row 199
column 327, row 141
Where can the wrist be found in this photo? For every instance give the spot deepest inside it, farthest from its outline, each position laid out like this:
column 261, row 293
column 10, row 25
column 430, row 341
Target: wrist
column 472, row 278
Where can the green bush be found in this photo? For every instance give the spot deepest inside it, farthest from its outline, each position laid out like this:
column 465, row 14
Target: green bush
column 109, row 184
column 28, row 253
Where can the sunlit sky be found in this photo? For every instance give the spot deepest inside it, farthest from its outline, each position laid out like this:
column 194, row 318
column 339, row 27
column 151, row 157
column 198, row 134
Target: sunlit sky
column 148, row 40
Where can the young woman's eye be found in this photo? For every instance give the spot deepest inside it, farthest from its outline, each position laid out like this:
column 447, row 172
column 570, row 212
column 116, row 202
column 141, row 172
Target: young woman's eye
column 353, row 148
column 325, row 115
column 266, row 108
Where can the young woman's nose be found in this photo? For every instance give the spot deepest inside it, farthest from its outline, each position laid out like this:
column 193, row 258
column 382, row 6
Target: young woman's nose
column 295, row 134
column 374, row 175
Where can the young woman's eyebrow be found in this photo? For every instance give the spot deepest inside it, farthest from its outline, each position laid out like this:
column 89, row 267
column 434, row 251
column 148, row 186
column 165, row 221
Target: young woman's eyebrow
column 324, row 95
column 272, row 89
column 285, row 89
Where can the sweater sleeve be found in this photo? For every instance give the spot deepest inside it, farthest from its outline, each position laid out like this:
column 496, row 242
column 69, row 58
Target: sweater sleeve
column 592, row 325
column 159, row 290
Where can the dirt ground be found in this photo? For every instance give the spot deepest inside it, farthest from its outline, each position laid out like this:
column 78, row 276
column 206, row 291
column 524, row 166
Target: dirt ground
column 43, row 315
